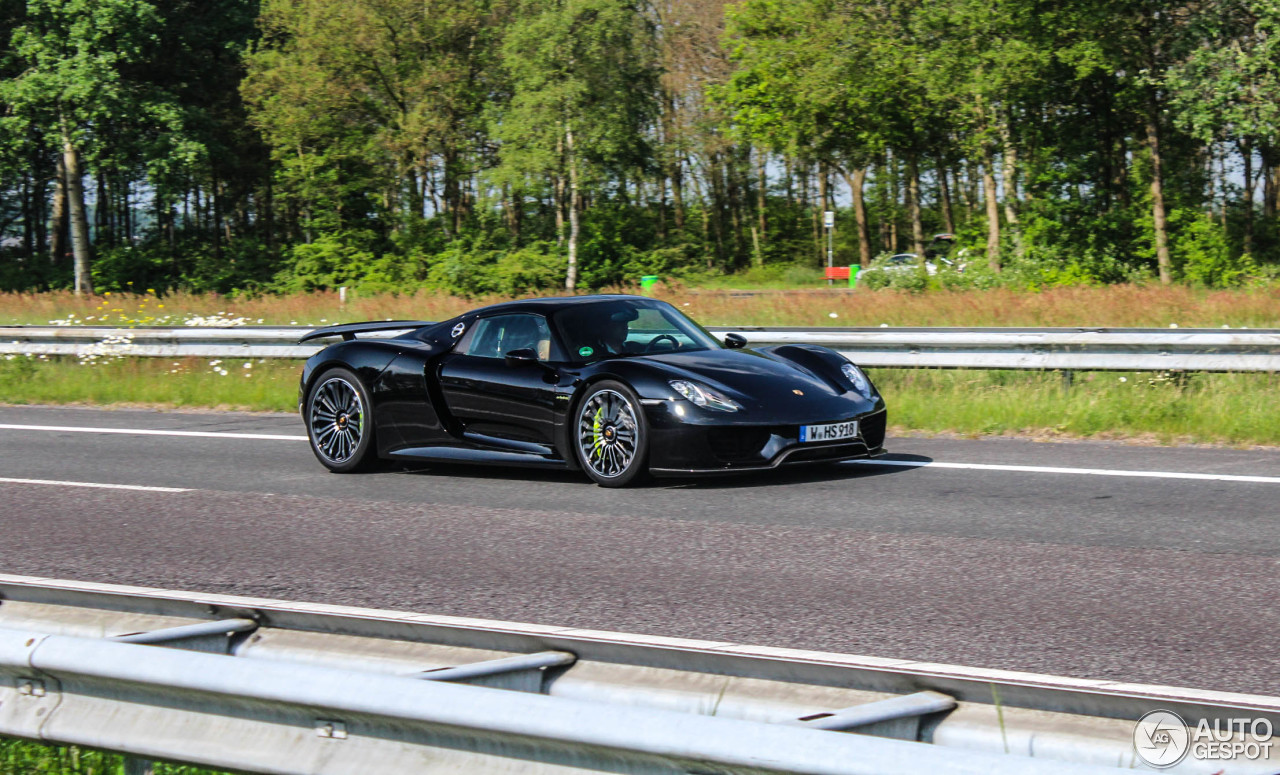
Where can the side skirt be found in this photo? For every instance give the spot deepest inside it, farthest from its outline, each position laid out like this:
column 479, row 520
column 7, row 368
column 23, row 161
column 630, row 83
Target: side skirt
column 480, row 456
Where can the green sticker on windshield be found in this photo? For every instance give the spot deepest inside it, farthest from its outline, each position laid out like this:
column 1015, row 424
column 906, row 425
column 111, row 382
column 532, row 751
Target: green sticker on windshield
column 585, row 352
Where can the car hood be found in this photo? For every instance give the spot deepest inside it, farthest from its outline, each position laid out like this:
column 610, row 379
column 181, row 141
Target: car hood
column 755, row 380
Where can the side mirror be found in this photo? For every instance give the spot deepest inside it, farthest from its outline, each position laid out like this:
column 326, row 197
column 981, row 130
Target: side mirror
column 522, row 356
column 735, row 341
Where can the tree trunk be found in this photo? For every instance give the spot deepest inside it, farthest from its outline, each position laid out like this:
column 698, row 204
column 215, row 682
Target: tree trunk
column 967, row 187
column 993, row 211
column 883, row 204
column 1246, row 154
column 559, row 194
column 1270, row 177
column 1222, row 189
column 571, row 278
column 733, row 192
column 817, row 214
column 677, row 193
column 511, row 207
column 944, row 194
column 215, row 202
column 101, row 211
column 913, row 206
column 704, row 208
column 762, row 195
column 28, row 217
column 673, row 164
column 79, row 218
column 40, row 207
column 1011, row 186
column 1163, row 260
column 857, row 182
column 58, row 218
column 662, row 209
column 891, row 167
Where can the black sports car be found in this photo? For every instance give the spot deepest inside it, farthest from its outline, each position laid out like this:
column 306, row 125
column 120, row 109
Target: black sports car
column 616, row 386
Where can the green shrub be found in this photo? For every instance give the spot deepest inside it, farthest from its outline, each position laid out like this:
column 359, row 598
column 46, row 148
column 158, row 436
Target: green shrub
column 334, row 259
column 1201, row 252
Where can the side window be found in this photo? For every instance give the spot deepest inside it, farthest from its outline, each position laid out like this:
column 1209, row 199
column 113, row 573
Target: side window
column 496, row 336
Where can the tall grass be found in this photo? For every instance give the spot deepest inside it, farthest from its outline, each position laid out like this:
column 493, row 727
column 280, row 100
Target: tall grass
column 1121, row 306
column 1111, row 306
column 19, row 757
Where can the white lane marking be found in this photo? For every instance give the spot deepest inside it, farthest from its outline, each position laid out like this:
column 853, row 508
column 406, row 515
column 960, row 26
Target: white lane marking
column 148, row 432
column 98, row 485
column 1077, row 471
column 898, row 463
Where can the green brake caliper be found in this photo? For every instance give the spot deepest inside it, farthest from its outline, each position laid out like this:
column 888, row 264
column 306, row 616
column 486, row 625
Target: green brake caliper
column 597, row 448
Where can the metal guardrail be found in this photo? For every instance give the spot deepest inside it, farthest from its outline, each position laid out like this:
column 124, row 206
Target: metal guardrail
column 269, row 686
column 1065, row 349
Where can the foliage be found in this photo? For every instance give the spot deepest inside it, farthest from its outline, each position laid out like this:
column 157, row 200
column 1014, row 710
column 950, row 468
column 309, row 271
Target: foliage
column 18, row 757
column 485, row 146
column 1203, row 254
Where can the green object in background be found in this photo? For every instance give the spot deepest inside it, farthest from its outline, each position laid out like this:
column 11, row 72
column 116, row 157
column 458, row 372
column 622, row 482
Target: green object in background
column 854, row 271
column 647, row 282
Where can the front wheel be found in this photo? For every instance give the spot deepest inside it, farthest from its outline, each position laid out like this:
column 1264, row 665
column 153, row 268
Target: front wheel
column 340, row 421
column 611, row 437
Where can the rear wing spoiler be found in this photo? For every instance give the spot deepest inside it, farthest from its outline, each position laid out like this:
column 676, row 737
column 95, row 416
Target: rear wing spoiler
column 349, row 330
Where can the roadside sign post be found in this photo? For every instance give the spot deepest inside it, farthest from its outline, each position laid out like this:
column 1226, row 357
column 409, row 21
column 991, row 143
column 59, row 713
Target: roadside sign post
column 829, row 221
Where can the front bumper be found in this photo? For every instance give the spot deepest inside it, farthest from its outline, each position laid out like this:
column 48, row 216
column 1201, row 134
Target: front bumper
column 678, row 448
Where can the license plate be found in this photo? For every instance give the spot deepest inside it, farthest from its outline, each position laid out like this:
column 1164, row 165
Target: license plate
column 832, row 432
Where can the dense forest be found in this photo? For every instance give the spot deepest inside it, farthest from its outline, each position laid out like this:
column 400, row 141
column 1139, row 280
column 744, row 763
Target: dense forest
column 485, row 146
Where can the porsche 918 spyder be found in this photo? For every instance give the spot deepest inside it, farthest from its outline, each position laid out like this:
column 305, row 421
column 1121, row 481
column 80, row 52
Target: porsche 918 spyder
column 614, row 386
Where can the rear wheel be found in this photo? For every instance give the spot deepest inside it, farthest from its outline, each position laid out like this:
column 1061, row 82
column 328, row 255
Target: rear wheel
column 611, row 437
column 340, row 421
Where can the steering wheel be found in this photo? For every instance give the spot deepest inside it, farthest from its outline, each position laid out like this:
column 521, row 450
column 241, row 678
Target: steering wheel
column 675, row 343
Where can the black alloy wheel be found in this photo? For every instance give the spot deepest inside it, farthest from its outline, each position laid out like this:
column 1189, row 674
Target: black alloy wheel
column 340, row 421
column 611, row 436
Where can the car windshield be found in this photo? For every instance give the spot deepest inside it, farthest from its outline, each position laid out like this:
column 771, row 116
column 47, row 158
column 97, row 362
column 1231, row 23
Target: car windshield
column 620, row 327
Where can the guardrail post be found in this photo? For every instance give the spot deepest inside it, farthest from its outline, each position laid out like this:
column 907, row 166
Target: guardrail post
column 135, row 766
column 1068, row 377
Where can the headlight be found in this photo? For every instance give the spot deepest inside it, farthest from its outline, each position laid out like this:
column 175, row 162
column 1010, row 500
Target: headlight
column 703, row 396
column 857, row 379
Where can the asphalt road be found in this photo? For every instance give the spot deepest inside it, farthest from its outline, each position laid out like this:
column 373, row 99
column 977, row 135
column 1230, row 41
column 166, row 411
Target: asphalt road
column 1086, row 559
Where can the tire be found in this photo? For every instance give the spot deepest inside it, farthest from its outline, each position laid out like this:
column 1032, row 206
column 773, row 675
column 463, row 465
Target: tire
column 610, row 435
column 340, row 422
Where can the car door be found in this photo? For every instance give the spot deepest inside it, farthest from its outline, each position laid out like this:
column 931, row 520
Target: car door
column 496, row 404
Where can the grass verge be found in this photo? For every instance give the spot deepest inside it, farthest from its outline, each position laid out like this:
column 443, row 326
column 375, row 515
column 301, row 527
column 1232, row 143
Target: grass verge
column 1234, row 409
column 1113, row 306
column 259, row 385
column 19, row 757
column 1237, row 409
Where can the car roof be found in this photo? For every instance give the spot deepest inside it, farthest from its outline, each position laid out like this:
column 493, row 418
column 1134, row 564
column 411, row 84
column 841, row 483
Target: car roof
column 554, row 304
